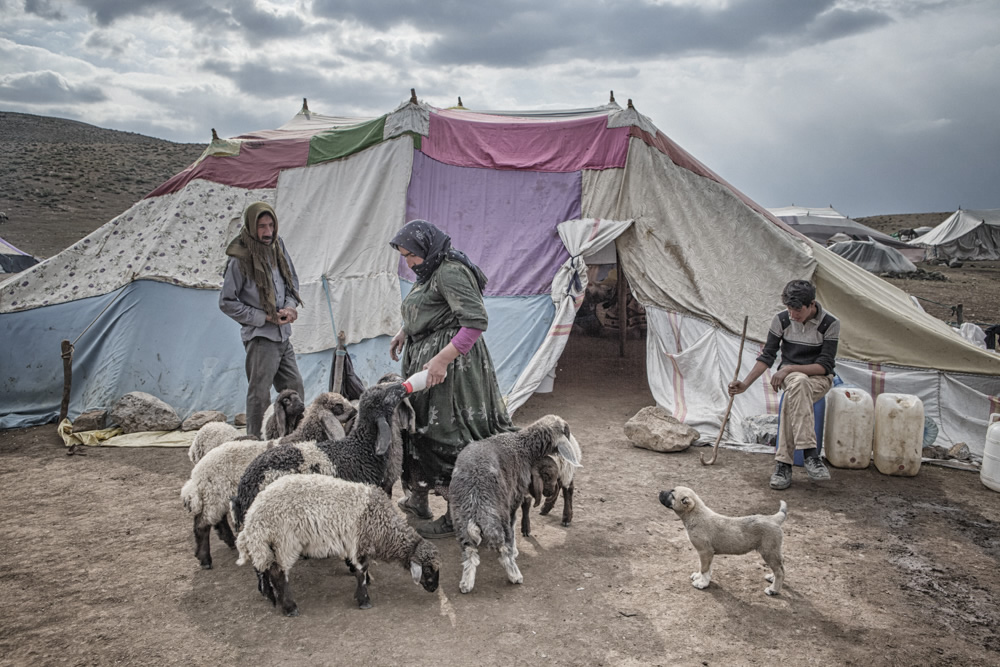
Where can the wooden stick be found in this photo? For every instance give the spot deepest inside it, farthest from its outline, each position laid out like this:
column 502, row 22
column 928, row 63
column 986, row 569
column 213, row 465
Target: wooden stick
column 729, row 407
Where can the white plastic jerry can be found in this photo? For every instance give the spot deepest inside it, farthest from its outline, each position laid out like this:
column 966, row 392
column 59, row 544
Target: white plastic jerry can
column 899, row 434
column 850, row 427
column 990, row 472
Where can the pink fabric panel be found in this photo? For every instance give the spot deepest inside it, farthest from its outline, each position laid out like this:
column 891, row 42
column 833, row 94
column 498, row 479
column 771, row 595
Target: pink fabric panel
column 563, row 146
column 465, row 339
column 257, row 166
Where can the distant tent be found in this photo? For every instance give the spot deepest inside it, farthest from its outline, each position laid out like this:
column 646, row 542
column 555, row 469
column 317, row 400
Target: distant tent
column 531, row 197
column 820, row 224
column 964, row 235
column 873, row 256
column 13, row 260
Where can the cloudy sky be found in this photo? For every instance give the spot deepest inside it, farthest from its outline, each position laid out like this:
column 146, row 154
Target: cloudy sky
column 871, row 106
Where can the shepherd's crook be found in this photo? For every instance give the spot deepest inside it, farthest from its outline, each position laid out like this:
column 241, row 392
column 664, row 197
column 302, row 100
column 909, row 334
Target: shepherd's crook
column 725, row 418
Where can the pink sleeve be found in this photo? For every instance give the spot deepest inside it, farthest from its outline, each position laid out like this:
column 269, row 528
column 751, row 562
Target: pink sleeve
column 465, row 339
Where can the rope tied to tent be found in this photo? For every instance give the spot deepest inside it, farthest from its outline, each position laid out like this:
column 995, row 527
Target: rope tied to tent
column 575, row 285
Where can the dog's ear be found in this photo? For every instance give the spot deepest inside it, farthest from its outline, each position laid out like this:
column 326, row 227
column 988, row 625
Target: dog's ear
column 686, row 501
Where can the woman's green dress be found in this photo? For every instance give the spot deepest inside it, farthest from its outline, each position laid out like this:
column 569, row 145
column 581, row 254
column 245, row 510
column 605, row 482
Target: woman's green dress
column 468, row 405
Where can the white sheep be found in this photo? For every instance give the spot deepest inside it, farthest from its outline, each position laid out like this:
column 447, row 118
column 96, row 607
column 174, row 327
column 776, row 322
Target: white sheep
column 216, row 477
column 490, row 480
column 322, row 517
column 210, row 436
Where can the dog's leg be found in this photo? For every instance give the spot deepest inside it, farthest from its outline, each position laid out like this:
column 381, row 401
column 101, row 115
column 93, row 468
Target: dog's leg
column 704, row 578
column 774, row 561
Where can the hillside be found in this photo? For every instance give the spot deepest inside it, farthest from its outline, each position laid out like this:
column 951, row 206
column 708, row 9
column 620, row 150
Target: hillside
column 61, row 179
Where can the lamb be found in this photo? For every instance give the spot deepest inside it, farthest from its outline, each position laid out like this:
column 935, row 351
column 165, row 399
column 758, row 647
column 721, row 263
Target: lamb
column 404, row 422
column 213, row 434
column 319, row 517
column 283, row 416
column 210, row 436
column 216, row 477
column 359, row 457
column 490, row 480
column 549, row 476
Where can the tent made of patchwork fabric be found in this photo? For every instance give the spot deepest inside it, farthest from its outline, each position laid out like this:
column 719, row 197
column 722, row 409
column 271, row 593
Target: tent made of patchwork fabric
column 530, row 197
column 966, row 235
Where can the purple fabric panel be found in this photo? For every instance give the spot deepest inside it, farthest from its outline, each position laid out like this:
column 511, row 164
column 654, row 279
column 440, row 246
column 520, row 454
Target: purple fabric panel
column 505, row 221
column 257, row 166
column 563, row 145
column 465, row 339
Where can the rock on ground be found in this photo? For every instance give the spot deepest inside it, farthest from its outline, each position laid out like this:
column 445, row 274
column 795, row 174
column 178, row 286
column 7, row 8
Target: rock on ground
column 656, row 429
column 202, row 417
column 138, row 411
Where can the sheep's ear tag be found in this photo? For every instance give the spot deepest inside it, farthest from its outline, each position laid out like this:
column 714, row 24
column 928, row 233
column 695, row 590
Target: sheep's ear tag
column 384, row 437
column 416, row 571
column 566, row 451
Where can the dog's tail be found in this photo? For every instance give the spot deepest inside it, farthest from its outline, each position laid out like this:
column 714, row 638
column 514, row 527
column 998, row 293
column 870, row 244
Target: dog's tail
column 782, row 514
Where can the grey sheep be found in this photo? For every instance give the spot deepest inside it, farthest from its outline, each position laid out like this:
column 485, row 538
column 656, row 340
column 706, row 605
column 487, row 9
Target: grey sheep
column 489, row 483
column 404, row 422
column 283, row 416
column 321, row 517
column 549, row 476
column 358, row 457
column 210, row 436
column 216, row 477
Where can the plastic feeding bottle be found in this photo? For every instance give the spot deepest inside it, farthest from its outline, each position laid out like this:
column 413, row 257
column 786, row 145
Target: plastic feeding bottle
column 416, row 382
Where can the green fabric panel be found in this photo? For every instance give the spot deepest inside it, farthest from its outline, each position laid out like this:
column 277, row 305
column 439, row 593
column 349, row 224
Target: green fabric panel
column 333, row 144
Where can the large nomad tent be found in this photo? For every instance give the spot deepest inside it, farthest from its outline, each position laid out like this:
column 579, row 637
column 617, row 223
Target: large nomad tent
column 822, row 224
column 964, row 235
column 529, row 196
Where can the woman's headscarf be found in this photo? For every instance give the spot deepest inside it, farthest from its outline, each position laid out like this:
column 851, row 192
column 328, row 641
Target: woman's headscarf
column 432, row 245
column 257, row 258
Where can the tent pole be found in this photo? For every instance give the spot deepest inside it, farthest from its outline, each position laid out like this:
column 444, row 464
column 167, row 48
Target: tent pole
column 622, row 300
column 67, row 357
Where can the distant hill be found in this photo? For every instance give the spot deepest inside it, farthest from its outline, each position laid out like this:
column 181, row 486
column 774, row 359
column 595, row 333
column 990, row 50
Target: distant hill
column 61, row 179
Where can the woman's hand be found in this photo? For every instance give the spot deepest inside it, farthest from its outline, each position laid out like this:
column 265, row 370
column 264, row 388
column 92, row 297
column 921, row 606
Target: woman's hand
column 396, row 345
column 437, row 369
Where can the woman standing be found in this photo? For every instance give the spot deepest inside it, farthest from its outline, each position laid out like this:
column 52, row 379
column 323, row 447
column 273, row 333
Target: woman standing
column 443, row 321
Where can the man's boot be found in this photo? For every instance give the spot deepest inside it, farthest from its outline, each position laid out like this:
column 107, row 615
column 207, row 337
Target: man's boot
column 416, row 503
column 437, row 529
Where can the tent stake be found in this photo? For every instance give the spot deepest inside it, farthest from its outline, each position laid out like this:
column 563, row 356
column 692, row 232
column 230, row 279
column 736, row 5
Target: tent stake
column 622, row 305
column 729, row 407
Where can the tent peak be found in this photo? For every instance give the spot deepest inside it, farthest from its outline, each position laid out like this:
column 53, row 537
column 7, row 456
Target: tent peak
column 215, row 135
column 630, row 103
column 305, row 106
column 413, row 95
column 612, row 100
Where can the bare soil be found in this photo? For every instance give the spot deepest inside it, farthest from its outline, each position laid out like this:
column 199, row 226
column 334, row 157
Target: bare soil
column 97, row 564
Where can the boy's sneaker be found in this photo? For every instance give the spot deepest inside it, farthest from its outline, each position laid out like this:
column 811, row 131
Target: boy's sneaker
column 782, row 476
column 815, row 469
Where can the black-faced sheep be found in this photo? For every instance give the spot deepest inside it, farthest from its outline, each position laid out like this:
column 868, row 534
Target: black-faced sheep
column 358, row 457
column 321, row 517
column 216, row 477
column 490, row 480
column 551, row 475
column 283, row 416
column 404, row 422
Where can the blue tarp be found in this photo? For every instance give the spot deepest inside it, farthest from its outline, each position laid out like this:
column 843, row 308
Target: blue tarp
column 174, row 343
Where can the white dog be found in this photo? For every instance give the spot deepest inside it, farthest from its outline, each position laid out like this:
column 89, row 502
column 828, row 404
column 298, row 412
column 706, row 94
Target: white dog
column 712, row 533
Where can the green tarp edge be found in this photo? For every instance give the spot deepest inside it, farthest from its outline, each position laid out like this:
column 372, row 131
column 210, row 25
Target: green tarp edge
column 338, row 143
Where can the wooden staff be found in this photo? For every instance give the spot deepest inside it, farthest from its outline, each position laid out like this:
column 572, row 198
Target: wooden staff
column 725, row 418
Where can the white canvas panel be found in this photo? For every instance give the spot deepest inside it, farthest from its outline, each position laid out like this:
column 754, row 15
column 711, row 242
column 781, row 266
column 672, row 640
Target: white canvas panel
column 336, row 220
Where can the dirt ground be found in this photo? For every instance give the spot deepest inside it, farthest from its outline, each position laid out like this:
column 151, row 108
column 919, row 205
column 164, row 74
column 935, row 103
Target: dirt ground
column 98, row 568
column 97, row 563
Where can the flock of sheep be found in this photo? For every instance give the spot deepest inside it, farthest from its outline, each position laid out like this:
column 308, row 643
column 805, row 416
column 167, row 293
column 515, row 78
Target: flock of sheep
column 320, row 484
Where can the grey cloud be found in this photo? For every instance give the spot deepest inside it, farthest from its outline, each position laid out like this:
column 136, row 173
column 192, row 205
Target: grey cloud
column 519, row 34
column 47, row 87
column 44, row 8
column 196, row 11
column 107, row 44
column 266, row 24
